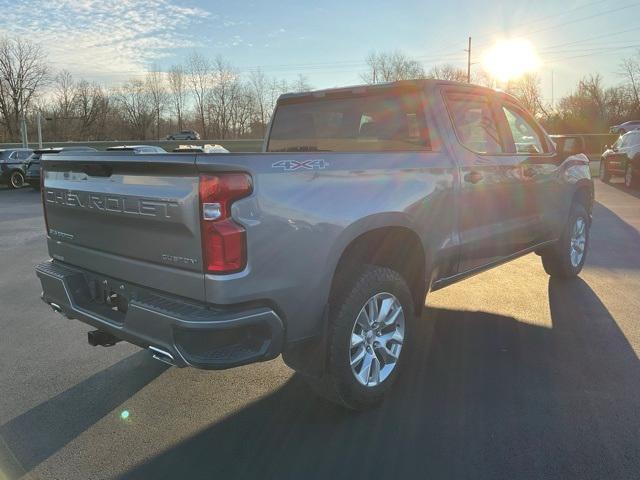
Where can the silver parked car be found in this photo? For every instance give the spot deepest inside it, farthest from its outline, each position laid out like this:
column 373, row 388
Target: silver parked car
column 184, row 135
column 625, row 127
column 137, row 149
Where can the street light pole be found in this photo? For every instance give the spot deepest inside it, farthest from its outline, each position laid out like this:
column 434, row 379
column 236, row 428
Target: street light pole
column 39, row 118
column 23, row 131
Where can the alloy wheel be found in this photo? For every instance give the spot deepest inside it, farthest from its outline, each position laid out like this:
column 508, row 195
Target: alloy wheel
column 578, row 241
column 376, row 339
column 16, row 180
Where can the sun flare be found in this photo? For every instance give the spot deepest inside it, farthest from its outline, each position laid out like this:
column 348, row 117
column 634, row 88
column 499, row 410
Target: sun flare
column 509, row 59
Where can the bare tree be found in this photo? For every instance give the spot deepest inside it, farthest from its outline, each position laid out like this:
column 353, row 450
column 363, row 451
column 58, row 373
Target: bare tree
column 630, row 71
column 447, row 71
column 64, row 98
column 259, row 88
column 241, row 109
column 391, row 67
column 92, row 109
column 178, row 91
column 226, row 84
column 23, row 72
column 527, row 90
column 136, row 106
column 155, row 85
column 301, row 84
column 199, row 71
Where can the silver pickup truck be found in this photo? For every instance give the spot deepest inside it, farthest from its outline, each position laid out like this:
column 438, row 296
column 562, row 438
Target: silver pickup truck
column 323, row 247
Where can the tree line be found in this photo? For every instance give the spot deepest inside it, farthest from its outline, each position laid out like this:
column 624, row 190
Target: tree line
column 591, row 108
column 206, row 95
column 213, row 98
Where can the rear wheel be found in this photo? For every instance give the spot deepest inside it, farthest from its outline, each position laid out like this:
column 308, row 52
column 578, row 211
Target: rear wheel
column 16, row 179
column 371, row 322
column 605, row 176
column 566, row 258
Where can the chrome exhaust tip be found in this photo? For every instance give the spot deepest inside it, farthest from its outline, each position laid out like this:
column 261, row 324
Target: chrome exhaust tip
column 56, row 308
column 162, row 356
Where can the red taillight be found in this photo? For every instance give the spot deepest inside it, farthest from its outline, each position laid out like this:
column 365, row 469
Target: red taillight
column 224, row 242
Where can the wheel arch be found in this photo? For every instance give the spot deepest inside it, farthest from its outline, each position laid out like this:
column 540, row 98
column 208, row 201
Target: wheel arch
column 584, row 196
column 387, row 240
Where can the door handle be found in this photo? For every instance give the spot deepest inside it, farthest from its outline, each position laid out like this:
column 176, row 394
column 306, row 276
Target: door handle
column 473, row 177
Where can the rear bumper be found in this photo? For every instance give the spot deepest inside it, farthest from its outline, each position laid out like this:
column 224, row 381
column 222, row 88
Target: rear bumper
column 185, row 333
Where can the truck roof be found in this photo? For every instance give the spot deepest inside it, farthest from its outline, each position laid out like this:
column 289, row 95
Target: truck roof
column 425, row 83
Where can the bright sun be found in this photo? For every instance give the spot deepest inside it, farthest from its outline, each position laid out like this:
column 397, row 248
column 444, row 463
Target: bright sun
column 508, row 59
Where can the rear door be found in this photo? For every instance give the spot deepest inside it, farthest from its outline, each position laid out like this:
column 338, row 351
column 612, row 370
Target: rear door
column 493, row 219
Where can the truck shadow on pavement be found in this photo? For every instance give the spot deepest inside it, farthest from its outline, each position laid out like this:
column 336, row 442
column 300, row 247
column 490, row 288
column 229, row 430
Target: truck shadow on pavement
column 620, row 186
column 615, row 244
column 35, row 435
column 485, row 396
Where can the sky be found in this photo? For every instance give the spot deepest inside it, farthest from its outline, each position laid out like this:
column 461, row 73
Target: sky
column 326, row 41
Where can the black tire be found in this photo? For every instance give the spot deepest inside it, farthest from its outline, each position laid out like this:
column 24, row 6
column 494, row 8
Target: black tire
column 339, row 383
column 16, row 180
column 557, row 259
column 630, row 179
column 605, row 176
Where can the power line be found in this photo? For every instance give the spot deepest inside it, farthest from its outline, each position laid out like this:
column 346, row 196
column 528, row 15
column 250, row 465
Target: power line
column 604, row 50
column 597, row 37
column 549, row 17
column 577, row 20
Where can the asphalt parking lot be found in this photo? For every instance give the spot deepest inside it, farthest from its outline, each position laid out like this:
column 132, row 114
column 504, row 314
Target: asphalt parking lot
column 516, row 376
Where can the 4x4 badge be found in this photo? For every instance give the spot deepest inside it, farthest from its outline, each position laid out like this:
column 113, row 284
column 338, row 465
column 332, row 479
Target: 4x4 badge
column 292, row 165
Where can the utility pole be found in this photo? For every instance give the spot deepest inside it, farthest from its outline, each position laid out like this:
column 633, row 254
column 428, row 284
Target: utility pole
column 39, row 117
column 552, row 96
column 468, row 50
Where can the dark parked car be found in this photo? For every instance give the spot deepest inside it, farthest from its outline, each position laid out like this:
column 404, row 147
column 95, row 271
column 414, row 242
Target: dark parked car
column 137, row 149
column 32, row 164
column 569, row 144
column 622, row 159
column 184, row 135
column 12, row 166
column 625, row 127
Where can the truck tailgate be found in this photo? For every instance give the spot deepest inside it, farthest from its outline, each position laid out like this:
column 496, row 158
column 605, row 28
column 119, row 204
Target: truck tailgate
column 123, row 214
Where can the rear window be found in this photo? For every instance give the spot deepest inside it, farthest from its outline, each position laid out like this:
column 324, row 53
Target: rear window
column 382, row 122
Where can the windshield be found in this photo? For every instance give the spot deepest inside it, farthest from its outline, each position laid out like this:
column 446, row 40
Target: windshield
column 380, row 122
column 618, row 142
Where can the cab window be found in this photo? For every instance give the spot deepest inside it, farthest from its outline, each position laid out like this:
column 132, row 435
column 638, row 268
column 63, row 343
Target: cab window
column 379, row 121
column 526, row 138
column 474, row 122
